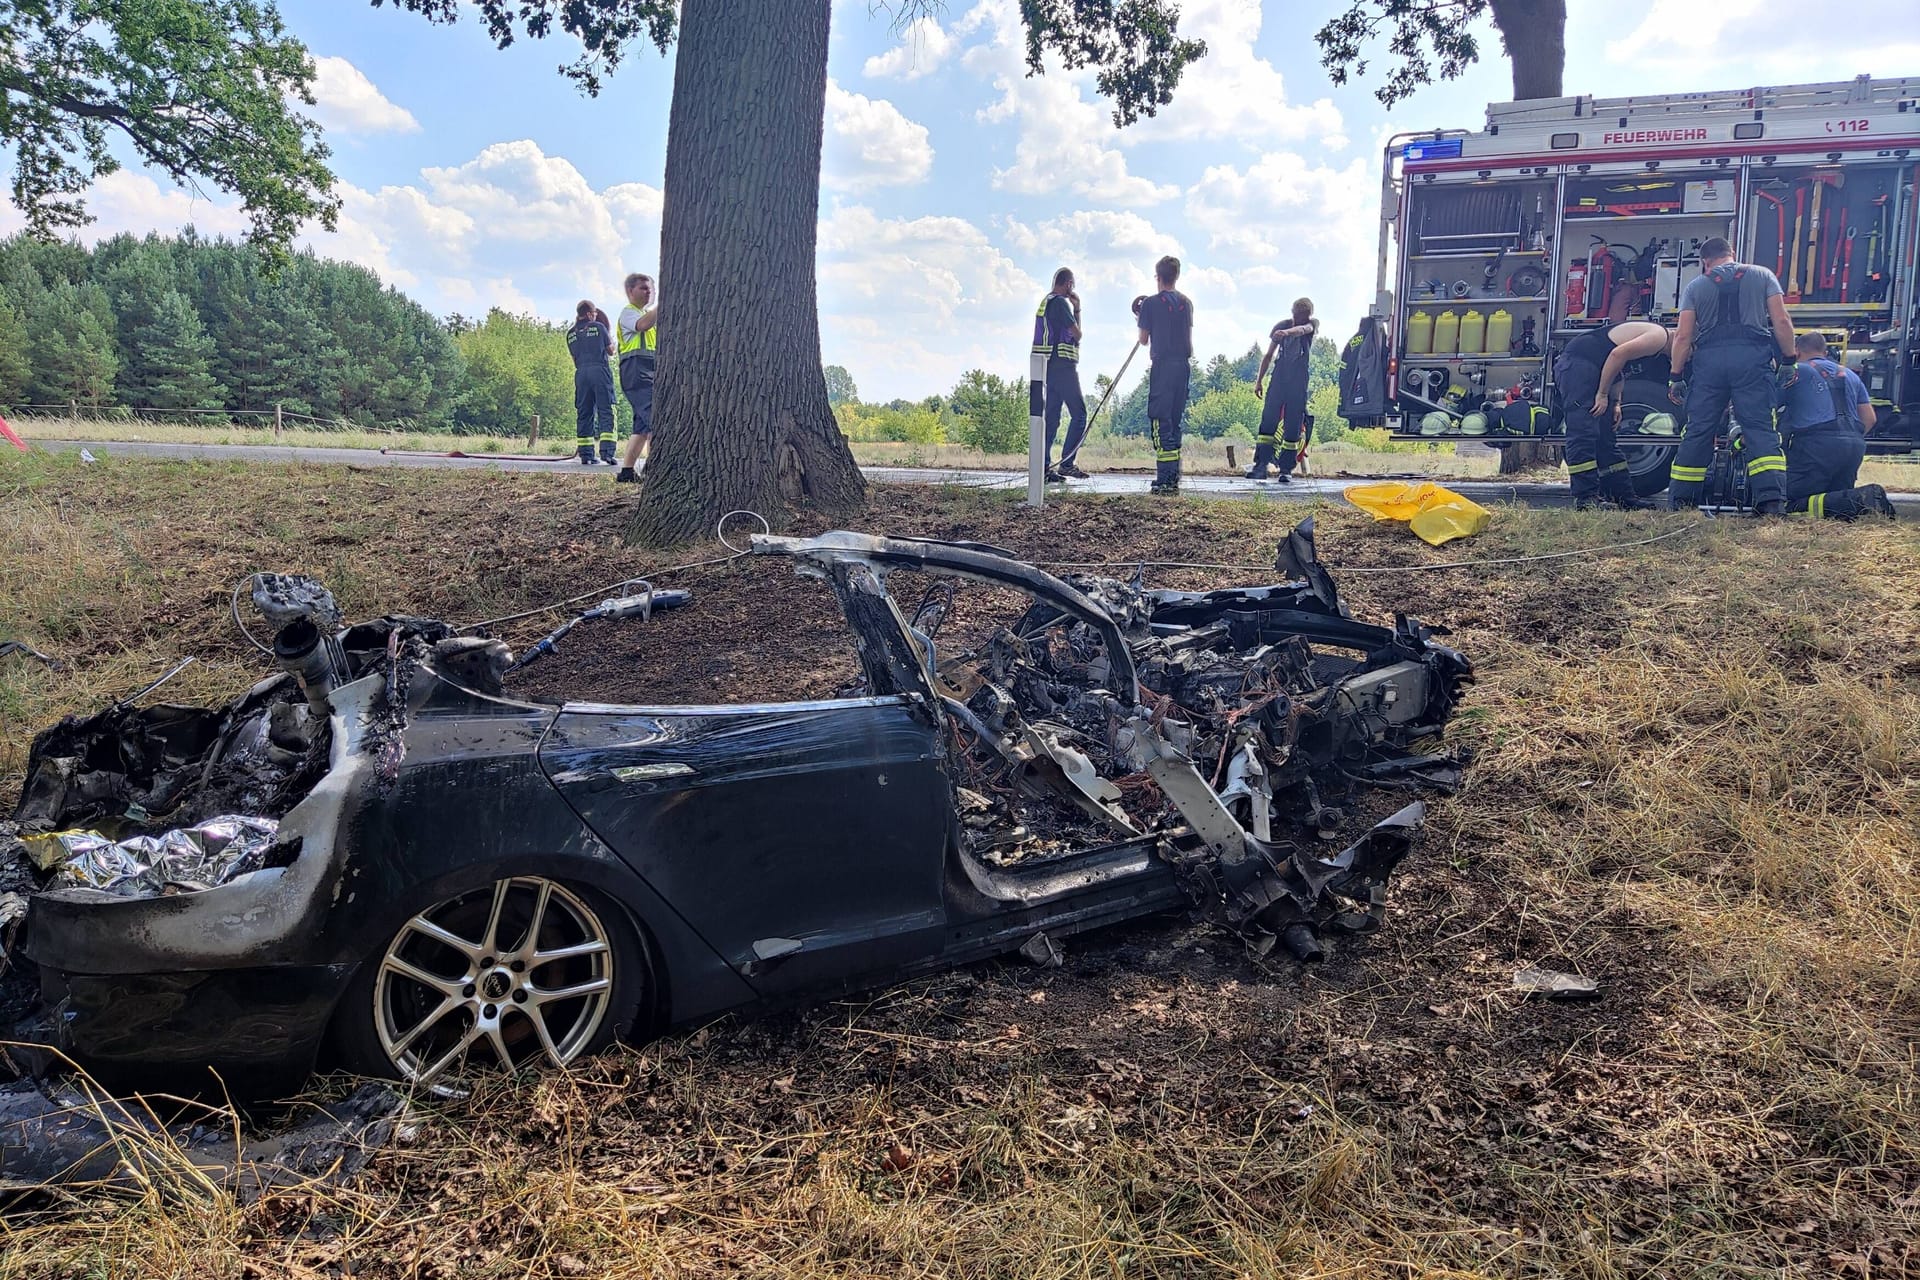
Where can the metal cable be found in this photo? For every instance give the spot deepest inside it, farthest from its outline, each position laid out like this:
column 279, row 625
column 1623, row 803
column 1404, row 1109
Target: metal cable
column 719, row 532
column 1396, row 568
column 233, row 607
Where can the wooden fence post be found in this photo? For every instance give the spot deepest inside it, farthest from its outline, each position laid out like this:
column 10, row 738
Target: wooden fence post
column 276, row 421
column 533, row 436
column 73, row 408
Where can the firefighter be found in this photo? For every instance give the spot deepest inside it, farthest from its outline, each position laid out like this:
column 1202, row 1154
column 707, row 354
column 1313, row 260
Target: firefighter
column 1826, row 414
column 1286, row 408
column 1166, row 330
column 639, row 344
column 1588, row 375
column 590, row 343
column 1733, row 328
column 1056, row 335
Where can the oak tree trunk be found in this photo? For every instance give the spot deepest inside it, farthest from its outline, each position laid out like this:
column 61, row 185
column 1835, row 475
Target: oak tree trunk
column 1535, row 34
column 741, row 418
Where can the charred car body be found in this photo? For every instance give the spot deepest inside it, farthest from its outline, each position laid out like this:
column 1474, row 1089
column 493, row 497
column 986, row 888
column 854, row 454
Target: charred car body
column 459, row 878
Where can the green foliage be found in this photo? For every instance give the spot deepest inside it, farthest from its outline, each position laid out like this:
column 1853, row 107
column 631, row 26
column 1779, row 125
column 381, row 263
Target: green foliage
column 202, row 324
column 517, row 366
column 840, row 388
column 992, row 412
column 1218, row 412
column 168, row 358
column 1433, row 39
column 915, row 424
column 14, row 369
column 200, row 88
column 1134, row 44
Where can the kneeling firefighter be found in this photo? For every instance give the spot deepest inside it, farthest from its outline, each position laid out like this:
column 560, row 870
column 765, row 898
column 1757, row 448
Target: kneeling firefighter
column 1588, row 376
column 1827, row 414
column 590, row 343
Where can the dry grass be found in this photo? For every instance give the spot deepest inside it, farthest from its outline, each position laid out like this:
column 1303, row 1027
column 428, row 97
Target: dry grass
column 1696, row 780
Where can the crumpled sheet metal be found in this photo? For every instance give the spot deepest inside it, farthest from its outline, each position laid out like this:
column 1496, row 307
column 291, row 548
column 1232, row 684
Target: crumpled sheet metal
column 1435, row 513
column 189, row 858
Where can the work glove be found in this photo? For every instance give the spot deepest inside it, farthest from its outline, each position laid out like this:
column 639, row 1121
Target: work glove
column 1784, row 379
column 1138, row 303
column 1677, row 391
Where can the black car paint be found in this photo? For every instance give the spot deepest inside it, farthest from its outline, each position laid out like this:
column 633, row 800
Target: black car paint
column 829, row 824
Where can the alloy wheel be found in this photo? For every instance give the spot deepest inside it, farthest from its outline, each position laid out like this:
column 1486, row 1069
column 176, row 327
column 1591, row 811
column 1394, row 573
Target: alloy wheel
column 515, row 975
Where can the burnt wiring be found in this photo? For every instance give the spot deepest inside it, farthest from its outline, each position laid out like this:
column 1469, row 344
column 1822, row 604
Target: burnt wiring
column 619, row 585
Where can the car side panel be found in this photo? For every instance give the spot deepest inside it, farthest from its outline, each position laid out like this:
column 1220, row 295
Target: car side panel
column 822, row 824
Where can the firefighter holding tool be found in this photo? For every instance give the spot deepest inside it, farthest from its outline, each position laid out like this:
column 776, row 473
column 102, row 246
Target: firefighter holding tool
column 1284, row 404
column 590, row 343
column 1588, row 376
column 1056, row 335
column 1827, row 414
column 1733, row 329
column 1166, row 330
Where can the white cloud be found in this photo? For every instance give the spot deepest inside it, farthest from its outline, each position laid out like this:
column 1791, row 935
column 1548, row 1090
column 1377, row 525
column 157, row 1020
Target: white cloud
column 345, row 100
column 923, row 48
column 1734, row 43
column 1288, row 227
column 870, row 144
column 130, row 201
column 1232, row 94
column 911, row 303
column 1066, row 145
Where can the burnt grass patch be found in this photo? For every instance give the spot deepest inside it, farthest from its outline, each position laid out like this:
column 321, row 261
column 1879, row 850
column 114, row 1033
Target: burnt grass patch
column 1694, row 781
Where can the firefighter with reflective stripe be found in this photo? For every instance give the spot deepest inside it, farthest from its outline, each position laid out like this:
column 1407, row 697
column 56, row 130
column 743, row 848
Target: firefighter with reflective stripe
column 1056, row 335
column 639, row 334
column 1166, row 330
column 1283, row 407
column 590, row 343
column 1587, row 377
column 1733, row 327
column 1826, row 414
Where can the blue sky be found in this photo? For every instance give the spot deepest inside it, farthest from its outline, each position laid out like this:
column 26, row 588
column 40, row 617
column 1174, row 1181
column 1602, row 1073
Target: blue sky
column 953, row 184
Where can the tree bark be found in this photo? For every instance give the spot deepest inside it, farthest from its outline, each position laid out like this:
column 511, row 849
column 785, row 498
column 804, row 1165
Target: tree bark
column 1535, row 34
column 741, row 417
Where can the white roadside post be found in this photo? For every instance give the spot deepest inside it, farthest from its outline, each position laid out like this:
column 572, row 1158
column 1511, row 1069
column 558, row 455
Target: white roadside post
column 1037, row 430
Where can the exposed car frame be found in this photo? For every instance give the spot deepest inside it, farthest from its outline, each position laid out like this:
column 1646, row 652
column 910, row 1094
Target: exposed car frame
column 704, row 859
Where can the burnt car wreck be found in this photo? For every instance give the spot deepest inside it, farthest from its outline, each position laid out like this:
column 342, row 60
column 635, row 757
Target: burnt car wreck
column 413, row 873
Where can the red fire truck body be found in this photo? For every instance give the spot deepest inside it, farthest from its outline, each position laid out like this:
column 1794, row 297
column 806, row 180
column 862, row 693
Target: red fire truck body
column 1568, row 213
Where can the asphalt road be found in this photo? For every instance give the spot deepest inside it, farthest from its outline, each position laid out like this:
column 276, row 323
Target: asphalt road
column 1210, row 486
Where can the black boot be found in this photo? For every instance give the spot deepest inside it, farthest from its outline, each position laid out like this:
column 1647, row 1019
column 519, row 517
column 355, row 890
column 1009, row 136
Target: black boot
column 1876, row 500
column 626, row 475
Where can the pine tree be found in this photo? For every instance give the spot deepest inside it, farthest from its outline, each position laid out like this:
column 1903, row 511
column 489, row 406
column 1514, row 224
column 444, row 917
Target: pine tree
column 71, row 351
column 175, row 357
column 14, row 369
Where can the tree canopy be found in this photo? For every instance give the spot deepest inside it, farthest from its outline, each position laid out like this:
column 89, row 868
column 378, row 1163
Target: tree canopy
column 203, row 89
column 1433, row 39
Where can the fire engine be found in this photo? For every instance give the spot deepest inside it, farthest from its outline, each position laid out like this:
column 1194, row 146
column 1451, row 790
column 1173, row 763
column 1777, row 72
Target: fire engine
column 1497, row 247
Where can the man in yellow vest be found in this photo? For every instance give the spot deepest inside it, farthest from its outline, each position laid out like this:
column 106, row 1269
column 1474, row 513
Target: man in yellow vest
column 639, row 332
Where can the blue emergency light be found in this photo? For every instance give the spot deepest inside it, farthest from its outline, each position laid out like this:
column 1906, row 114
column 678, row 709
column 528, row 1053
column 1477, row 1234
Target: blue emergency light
column 1432, row 149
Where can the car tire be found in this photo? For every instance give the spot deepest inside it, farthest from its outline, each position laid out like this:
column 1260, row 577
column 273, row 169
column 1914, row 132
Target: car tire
column 520, row 971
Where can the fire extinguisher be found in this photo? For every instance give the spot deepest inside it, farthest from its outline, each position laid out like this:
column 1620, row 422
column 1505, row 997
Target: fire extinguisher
column 1577, row 288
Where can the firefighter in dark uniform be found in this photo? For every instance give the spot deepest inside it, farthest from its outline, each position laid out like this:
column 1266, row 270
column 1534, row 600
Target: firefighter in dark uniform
column 1588, row 378
column 1284, row 404
column 1056, row 335
column 590, row 343
column 1166, row 330
column 1733, row 328
column 1826, row 413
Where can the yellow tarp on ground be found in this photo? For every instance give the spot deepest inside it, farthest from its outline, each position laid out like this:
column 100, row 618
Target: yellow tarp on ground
column 1435, row 513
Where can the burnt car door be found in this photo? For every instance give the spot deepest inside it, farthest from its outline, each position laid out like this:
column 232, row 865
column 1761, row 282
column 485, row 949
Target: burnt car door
column 804, row 841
